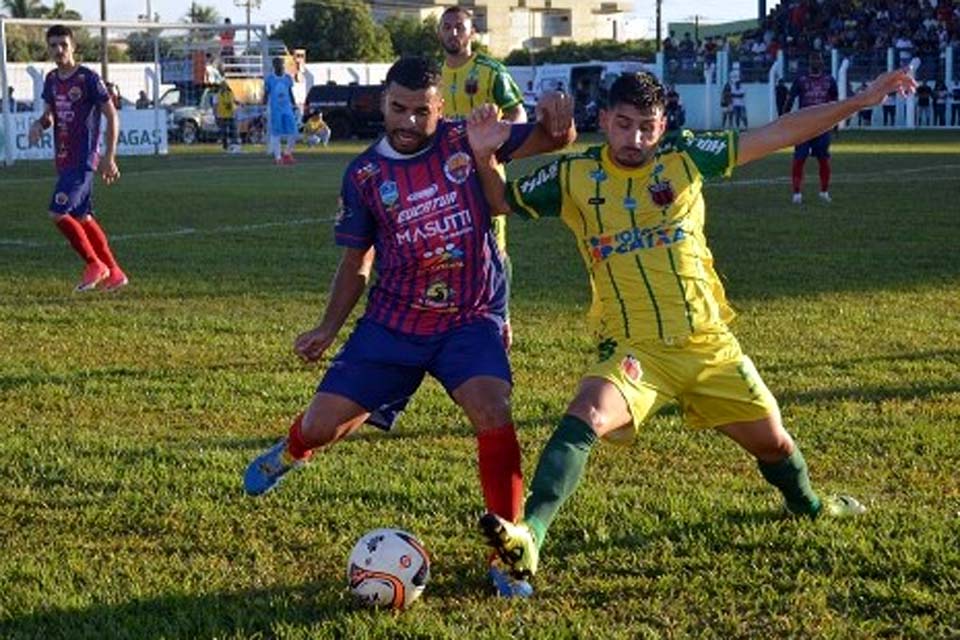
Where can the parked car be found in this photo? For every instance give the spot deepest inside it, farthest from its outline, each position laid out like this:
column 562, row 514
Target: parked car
column 348, row 109
column 191, row 117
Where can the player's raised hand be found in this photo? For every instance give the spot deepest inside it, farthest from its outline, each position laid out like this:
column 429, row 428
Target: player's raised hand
column 108, row 170
column 896, row 81
column 311, row 344
column 555, row 112
column 486, row 132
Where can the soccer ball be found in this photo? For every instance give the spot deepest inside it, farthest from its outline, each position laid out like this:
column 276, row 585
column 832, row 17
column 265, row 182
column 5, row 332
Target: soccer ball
column 388, row 568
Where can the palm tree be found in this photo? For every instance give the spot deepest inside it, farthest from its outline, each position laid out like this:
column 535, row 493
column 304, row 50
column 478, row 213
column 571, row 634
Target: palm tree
column 60, row 11
column 24, row 8
column 200, row 14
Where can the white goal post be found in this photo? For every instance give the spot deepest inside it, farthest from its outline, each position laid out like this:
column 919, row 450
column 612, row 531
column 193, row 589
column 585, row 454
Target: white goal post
column 143, row 131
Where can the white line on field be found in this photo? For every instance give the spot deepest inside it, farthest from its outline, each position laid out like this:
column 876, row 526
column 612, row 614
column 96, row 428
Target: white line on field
column 856, row 178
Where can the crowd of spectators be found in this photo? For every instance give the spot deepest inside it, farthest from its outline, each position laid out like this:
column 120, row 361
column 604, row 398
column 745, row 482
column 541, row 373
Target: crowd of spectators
column 862, row 30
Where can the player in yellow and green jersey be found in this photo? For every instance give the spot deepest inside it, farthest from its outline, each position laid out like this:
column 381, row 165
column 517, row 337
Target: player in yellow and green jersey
column 635, row 206
column 469, row 80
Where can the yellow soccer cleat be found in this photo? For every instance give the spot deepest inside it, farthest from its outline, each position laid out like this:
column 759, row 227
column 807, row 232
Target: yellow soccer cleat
column 514, row 543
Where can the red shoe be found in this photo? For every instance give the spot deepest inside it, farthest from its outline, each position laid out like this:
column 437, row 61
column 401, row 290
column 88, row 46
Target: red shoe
column 287, row 159
column 116, row 280
column 93, row 275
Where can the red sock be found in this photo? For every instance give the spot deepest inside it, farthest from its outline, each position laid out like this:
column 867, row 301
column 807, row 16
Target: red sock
column 295, row 444
column 798, row 173
column 98, row 240
column 74, row 233
column 824, row 173
column 498, row 454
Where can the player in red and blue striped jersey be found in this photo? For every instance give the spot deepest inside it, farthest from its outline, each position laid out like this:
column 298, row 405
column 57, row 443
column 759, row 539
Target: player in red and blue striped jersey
column 75, row 97
column 816, row 87
column 413, row 209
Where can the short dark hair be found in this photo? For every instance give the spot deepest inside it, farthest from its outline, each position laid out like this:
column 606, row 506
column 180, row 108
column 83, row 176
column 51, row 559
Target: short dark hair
column 414, row 72
column 58, row 30
column 457, row 9
column 641, row 90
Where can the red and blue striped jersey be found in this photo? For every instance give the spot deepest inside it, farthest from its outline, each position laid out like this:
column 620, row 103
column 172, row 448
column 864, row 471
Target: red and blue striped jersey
column 76, row 104
column 437, row 262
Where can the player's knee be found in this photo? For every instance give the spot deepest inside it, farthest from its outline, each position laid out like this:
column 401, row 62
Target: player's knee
column 489, row 411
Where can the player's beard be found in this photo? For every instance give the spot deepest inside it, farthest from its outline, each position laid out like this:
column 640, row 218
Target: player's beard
column 453, row 47
column 415, row 140
column 633, row 158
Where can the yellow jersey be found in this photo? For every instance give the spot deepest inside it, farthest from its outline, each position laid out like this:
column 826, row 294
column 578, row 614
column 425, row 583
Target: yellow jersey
column 226, row 104
column 640, row 233
column 481, row 80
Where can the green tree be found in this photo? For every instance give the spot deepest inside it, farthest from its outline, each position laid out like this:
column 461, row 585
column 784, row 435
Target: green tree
column 60, row 11
column 567, row 52
column 339, row 30
column 201, row 14
column 24, row 8
column 412, row 37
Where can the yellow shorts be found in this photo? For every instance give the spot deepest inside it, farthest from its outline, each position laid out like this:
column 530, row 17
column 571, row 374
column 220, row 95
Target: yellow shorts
column 713, row 380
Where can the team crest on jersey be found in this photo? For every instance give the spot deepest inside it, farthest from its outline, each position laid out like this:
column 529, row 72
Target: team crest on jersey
column 367, row 171
column 457, row 168
column 631, row 367
column 61, row 198
column 438, row 296
column 662, row 193
column 389, row 193
column 598, row 175
column 75, row 93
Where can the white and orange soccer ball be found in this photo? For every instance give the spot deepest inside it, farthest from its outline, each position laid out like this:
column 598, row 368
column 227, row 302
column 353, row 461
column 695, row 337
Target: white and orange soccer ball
column 388, row 568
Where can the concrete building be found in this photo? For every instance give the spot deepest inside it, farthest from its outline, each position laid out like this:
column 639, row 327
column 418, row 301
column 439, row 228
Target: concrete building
column 505, row 25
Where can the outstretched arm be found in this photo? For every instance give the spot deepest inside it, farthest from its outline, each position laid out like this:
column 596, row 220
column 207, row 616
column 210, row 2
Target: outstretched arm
column 348, row 285
column 794, row 128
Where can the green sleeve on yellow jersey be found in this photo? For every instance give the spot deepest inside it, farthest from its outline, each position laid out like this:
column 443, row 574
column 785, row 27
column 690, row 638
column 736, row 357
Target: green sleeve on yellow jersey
column 537, row 194
column 713, row 152
column 506, row 93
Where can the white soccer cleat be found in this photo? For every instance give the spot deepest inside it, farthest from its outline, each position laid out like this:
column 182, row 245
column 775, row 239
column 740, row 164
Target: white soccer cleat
column 825, row 196
column 798, row 198
column 841, row 506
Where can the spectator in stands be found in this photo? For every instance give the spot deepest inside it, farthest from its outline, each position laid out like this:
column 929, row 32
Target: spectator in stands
column 864, row 116
column 739, row 97
column 889, row 106
column 726, row 105
column 675, row 113
column 940, row 94
column 782, row 95
column 226, row 41
column 143, row 102
column 924, row 104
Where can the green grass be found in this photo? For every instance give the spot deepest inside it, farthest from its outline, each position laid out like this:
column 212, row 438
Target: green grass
column 126, row 421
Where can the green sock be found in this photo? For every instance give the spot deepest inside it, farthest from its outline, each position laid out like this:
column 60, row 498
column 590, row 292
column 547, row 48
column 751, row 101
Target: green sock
column 791, row 478
column 559, row 471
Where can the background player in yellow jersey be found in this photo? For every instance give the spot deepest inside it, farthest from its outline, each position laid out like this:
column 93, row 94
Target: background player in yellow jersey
column 635, row 205
column 469, row 80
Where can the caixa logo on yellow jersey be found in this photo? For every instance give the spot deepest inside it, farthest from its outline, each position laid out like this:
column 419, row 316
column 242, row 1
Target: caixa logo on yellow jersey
column 630, row 240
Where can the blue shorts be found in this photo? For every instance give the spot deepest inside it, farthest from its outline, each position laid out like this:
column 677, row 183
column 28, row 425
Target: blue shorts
column 818, row 147
column 73, row 193
column 380, row 369
column 283, row 124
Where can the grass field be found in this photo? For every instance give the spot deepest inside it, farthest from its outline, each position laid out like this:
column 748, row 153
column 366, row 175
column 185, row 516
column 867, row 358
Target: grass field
column 126, row 421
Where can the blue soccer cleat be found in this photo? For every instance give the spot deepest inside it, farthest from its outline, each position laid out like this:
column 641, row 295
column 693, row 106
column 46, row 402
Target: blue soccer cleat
column 268, row 469
column 508, row 587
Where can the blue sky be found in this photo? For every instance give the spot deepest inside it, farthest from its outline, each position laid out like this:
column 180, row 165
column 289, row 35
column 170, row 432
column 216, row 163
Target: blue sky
column 275, row 11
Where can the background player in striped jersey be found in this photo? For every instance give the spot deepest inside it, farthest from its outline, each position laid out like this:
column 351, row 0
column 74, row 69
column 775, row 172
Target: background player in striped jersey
column 816, row 87
column 413, row 209
column 74, row 98
column 469, row 80
column 636, row 207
